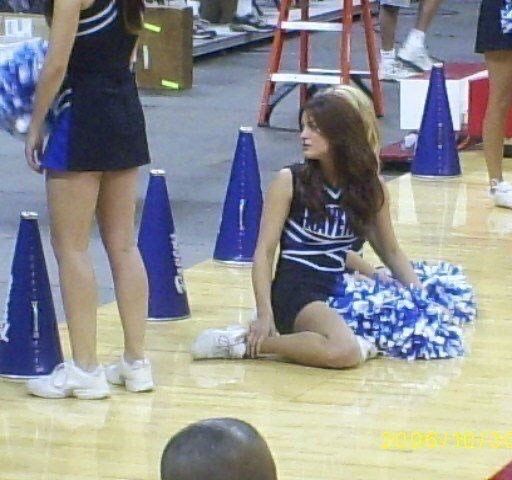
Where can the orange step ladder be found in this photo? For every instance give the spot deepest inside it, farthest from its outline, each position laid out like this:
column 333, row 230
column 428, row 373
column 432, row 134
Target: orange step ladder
column 315, row 76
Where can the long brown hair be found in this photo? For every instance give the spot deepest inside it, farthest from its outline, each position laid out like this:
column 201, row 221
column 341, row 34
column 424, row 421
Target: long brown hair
column 132, row 14
column 347, row 132
column 133, row 11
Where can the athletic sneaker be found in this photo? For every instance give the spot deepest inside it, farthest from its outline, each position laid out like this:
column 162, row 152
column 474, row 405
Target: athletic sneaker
column 501, row 192
column 392, row 69
column 229, row 342
column 368, row 349
column 201, row 29
column 249, row 23
column 68, row 380
column 416, row 56
column 136, row 376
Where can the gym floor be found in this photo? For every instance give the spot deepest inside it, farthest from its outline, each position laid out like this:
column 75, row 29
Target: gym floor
column 387, row 419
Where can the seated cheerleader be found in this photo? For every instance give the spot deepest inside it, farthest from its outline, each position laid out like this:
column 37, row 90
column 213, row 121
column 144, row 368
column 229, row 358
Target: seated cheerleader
column 314, row 311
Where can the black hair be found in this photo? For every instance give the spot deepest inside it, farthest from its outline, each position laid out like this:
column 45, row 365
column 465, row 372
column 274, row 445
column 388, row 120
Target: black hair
column 132, row 14
column 217, row 449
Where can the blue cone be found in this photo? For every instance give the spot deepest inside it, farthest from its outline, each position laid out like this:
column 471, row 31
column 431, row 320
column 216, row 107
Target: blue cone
column 29, row 337
column 159, row 250
column 240, row 223
column 436, row 152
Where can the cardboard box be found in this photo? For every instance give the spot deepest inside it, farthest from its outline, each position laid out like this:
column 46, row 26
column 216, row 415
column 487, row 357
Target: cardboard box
column 23, row 25
column 164, row 60
column 413, row 93
column 164, row 57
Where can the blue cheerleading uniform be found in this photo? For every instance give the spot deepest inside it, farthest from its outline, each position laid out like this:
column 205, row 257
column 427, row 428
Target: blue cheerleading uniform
column 494, row 30
column 97, row 123
column 312, row 256
column 401, row 322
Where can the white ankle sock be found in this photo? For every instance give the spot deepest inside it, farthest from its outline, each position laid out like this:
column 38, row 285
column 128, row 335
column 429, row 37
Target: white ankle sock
column 243, row 8
column 195, row 7
column 387, row 55
column 416, row 38
column 89, row 370
column 367, row 348
column 494, row 182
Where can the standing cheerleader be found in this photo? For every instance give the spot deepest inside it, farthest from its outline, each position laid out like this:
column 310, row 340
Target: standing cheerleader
column 90, row 162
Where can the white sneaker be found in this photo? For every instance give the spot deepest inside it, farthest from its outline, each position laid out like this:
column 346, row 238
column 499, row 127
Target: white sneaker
column 394, row 70
column 416, row 57
column 502, row 194
column 229, row 342
column 136, row 376
column 368, row 349
column 67, row 380
column 250, row 23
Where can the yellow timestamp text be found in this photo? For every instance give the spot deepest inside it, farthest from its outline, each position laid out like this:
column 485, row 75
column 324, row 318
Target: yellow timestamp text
column 424, row 440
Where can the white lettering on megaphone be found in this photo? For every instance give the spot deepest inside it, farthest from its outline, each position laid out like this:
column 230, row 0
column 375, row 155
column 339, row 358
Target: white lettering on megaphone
column 177, row 258
column 4, row 324
column 179, row 283
column 241, row 207
column 4, row 328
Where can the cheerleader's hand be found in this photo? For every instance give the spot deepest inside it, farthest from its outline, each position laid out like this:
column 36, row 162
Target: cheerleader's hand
column 261, row 328
column 382, row 276
column 33, row 149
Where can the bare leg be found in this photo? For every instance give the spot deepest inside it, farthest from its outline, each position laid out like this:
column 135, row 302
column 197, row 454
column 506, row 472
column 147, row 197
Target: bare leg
column 388, row 18
column 321, row 339
column 427, row 12
column 72, row 200
column 116, row 217
column 499, row 64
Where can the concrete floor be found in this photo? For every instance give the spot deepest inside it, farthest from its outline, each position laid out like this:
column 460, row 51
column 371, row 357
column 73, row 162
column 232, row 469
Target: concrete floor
column 192, row 135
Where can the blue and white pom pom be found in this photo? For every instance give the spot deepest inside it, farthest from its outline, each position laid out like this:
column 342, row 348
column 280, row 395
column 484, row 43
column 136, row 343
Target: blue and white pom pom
column 20, row 65
column 410, row 323
column 506, row 17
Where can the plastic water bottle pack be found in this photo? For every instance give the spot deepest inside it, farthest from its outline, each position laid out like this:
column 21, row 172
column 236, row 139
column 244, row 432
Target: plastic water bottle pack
column 20, row 65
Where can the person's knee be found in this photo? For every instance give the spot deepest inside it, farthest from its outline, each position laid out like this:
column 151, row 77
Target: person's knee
column 118, row 248
column 67, row 248
column 343, row 356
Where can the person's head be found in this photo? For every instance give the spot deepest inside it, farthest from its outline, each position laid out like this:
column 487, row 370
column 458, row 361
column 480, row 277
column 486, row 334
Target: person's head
column 340, row 120
column 364, row 105
column 339, row 128
column 217, row 449
column 132, row 14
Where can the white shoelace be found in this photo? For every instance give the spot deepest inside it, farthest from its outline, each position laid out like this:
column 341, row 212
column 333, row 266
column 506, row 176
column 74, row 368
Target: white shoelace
column 227, row 344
